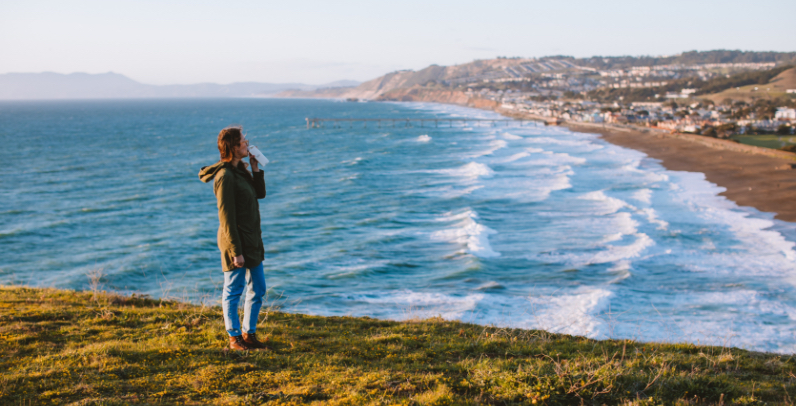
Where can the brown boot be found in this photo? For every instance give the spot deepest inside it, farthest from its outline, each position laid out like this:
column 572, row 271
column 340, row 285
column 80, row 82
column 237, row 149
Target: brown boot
column 237, row 344
column 252, row 342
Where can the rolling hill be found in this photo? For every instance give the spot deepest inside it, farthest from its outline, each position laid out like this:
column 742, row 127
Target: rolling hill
column 775, row 88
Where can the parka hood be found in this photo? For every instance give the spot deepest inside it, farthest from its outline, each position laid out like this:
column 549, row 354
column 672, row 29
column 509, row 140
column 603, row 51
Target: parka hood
column 207, row 173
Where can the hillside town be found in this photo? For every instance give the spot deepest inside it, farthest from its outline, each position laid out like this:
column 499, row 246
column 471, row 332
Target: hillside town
column 564, row 96
column 681, row 115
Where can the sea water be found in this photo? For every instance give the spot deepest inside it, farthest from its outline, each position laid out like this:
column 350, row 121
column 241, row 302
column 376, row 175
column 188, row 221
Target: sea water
column 524, row 226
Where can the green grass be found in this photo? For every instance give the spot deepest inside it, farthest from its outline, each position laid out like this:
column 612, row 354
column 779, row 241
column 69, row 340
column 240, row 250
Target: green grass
column 766, row 141
column 84, row 348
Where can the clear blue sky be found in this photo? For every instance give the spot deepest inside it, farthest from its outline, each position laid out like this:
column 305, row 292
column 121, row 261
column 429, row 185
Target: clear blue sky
column 163, row 42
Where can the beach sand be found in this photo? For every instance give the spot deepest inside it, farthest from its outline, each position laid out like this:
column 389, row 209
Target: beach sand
column 767, row 183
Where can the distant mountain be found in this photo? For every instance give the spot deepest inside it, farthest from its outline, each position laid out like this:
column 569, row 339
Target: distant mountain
column 48, row 85
column 339, row 83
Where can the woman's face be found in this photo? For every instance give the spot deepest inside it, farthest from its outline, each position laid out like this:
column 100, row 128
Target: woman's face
column 242, row 150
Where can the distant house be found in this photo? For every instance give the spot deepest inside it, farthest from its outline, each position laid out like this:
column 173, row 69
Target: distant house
column 690, row 128
column 784, row 113
column 647, row 105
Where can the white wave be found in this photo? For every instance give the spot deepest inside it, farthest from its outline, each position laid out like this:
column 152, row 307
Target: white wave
column 353, row 161
column 550, row 158
column 622, row 271
column 471, row 170
column 745, row 321
column 643, row 195
column 494, row 145
column 555, row 141
column 423, row 138
column 528, row 186
column 701, row 197
column 467, row 232
column 650, row 175
column 511, row 158
column 575, row 313
column 581, row 144
column 652, row 217
column 413, row 304
column 616, row 253
column 511, row 136
column 491, row 285
column 457, row 216
column 608, row 253
column 612, row 237
column 609, row 204
column 621, row 266
column 623, row 223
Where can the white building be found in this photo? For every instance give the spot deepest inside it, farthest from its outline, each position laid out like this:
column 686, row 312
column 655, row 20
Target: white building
column 784, row 113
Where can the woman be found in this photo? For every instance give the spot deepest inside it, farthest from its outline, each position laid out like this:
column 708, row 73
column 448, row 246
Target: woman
column 239, row 235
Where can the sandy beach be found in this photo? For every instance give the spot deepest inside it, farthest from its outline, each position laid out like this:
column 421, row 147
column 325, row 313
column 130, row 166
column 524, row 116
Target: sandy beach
column 767, row 183
column 757, row 177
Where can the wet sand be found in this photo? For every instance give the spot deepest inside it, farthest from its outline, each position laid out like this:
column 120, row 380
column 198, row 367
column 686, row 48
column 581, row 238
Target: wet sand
column 767, row 183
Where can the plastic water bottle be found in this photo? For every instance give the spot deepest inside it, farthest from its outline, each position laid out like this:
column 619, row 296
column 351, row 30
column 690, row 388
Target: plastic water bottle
column 261, row 159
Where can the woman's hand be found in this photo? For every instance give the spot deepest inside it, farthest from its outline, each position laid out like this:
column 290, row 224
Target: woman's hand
column 238, row 261
column 253, row 162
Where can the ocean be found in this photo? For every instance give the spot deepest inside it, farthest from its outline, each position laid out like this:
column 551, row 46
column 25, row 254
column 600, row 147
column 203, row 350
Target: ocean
column 527, row 226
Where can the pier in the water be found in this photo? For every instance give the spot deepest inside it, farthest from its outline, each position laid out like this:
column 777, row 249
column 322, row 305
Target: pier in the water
column 314, row 122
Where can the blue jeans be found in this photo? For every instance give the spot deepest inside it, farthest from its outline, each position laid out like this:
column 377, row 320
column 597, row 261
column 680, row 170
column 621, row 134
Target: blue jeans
column 234, row 283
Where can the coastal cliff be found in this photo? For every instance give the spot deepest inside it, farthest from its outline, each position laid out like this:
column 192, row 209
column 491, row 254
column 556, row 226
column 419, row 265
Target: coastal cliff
column 422, row 94
column 380, row 87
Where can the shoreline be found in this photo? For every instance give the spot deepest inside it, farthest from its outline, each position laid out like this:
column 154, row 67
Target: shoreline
column 752, row 176
column 764, row 182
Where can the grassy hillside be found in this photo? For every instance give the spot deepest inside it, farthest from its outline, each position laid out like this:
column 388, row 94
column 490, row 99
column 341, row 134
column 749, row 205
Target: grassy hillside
column 83, row 348
column 772, row 89
column 771, row 84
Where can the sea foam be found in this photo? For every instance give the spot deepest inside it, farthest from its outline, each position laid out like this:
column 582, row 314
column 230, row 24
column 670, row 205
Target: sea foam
column 467, row 232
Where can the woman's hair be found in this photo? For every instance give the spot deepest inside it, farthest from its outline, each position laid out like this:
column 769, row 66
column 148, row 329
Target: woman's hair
column 228, row 140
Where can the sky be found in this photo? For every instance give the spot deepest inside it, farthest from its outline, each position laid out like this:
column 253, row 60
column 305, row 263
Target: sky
column 315, row 42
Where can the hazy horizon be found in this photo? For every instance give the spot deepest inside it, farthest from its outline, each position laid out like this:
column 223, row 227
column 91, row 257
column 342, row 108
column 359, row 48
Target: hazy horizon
column 333, row 82
column 315, row 42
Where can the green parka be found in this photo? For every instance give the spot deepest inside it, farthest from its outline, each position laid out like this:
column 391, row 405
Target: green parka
column 239, row 230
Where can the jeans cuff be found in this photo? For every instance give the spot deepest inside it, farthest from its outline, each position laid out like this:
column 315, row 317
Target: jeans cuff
column 234, row 333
